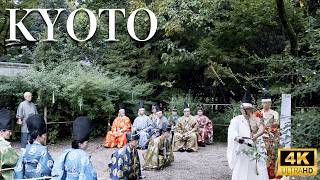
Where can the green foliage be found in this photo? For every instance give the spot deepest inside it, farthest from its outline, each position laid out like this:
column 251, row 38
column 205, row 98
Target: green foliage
column 221, row 121
column 178, row 102
column 74, row 90
column 305, row 128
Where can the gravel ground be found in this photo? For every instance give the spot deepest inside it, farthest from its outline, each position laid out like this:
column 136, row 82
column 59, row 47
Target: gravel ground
column 208, row 163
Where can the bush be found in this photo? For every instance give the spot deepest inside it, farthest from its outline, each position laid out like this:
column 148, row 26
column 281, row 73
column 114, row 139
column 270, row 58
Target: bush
column 305, row 128
column 69, row 90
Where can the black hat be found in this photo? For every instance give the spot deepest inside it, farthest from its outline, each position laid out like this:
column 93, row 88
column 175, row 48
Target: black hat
column 247, row 100
column 135, row 136
column 121, row 106
column 174, row 108
column 5, row 102
column 167, row 129
column 5, row 120
column 186, row 107
column 158, row 108
column 81, row 129
column 36, row 125
column 154, row 106
column 141, row 105
column 200, row 107
column 266, row 95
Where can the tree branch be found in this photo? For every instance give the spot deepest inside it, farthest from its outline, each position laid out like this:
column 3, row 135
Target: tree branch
column 287, row 27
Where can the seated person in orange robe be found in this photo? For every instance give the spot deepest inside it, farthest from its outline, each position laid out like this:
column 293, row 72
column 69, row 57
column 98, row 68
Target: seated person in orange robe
column 120, row 127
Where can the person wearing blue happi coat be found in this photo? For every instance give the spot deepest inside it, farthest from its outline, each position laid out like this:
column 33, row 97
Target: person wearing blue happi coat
column 75, row 163
column 35, row 161
column 125, row 163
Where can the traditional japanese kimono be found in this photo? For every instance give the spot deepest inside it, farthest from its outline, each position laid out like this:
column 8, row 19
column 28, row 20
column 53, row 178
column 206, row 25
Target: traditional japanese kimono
column 181, row 138
column 173, row 120
column 152, row 117
column 117, row 136
column 125, row 164
column 205, row 134
column 35, row 162
column 157, row 125
column 8, row 159
column 142, row 125
column 74, row 164
column 159, row 154
column 271, row 139
column 242, row 159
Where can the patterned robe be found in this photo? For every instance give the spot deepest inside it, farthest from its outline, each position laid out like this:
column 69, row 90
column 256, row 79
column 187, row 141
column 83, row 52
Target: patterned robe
column 241, row 158
column 114, row 138
column 205, row 134
column 173, row 120
column 159, row 153
column 152, row 117
column 142, row 125
column 35, row 162
column 125, row 164
column 8, row 159
column 157, row 125
column 74, row 164
column 185, row 135
column 271, row 139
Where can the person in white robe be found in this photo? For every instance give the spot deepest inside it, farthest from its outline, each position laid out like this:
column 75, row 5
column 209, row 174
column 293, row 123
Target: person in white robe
column 246, row 152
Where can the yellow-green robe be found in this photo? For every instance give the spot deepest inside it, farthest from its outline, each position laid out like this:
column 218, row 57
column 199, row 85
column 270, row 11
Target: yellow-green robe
column 8, row 159
column 159, row 153
column 185, row 135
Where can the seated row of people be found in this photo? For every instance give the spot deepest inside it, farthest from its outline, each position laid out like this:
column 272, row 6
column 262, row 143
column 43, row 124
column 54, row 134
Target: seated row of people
column 194, row 129
column 154, row 134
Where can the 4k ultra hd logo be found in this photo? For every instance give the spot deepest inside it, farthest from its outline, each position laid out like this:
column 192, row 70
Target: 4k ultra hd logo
column 297, row 162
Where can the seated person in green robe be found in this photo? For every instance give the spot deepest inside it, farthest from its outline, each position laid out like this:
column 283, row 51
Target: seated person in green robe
column 159, row 153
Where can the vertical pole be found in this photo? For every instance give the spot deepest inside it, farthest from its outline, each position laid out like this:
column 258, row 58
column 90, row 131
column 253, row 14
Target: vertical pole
column 285, row 121
column 45, row 115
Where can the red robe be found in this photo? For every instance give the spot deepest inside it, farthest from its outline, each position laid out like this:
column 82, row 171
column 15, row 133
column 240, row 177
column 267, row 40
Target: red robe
column 117, row 135
column 205, row 132
column 271, row 139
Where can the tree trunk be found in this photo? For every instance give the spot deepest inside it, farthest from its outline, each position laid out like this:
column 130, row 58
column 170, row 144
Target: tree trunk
column 287, row 27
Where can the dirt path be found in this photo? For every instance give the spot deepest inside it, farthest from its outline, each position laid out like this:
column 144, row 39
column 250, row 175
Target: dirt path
column 209, row 163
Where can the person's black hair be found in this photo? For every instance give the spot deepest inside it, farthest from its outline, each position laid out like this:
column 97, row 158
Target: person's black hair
column 34, row 134
column 75, row 143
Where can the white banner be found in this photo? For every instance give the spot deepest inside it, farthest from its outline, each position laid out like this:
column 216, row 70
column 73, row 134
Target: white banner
column 285, row 121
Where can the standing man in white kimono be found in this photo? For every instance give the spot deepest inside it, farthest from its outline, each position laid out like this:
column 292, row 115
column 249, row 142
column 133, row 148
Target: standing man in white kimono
column 142, row 125
column 25, row 109
column 244, row 140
